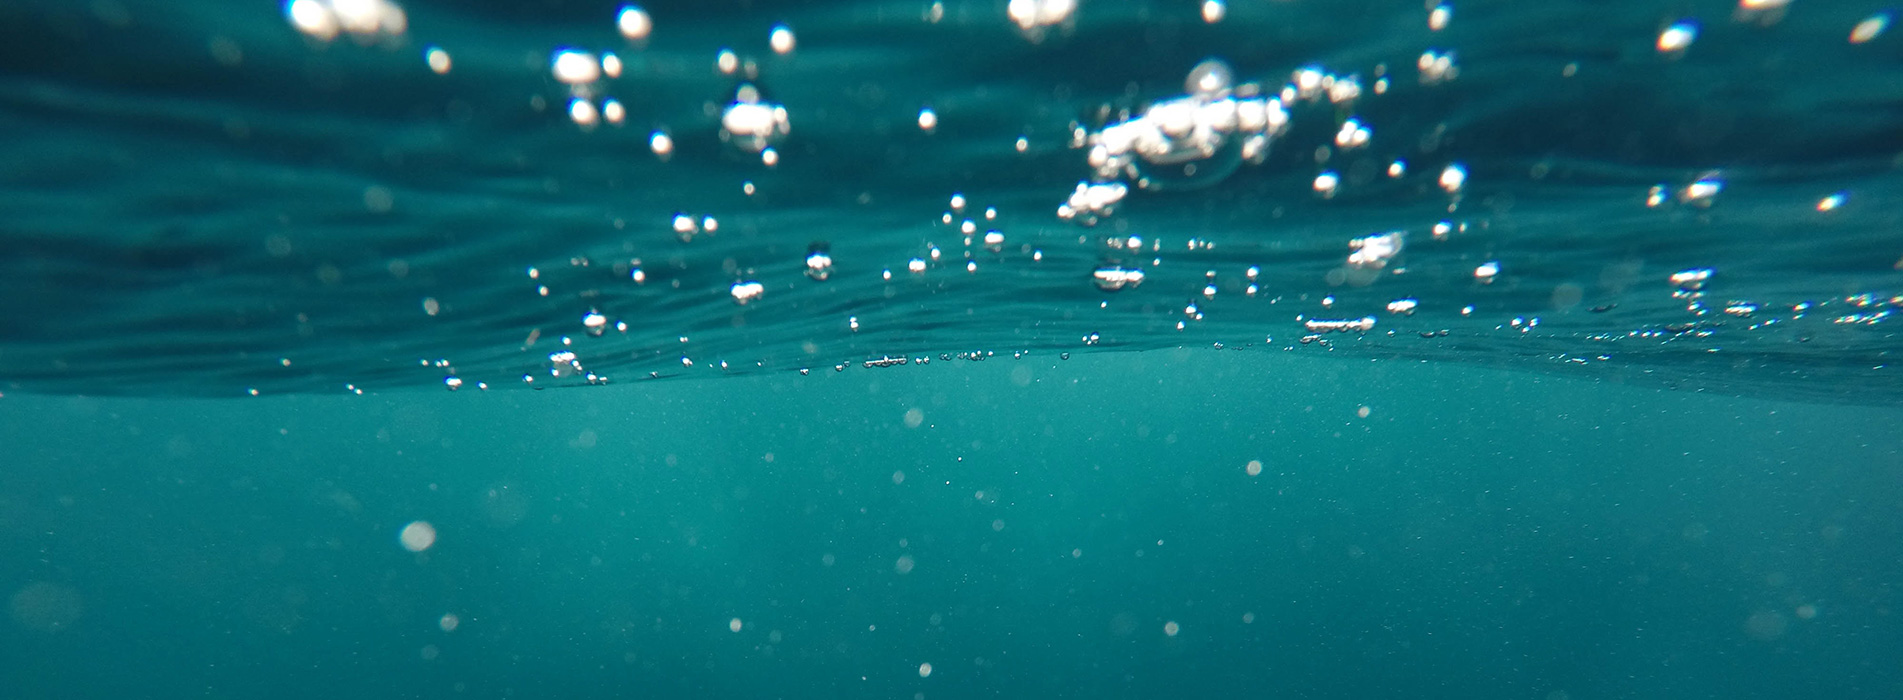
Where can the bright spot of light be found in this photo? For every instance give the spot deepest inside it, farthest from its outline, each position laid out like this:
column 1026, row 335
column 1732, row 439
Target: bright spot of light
column 1213, row 11
column 438, row 59
column 575, row 67
column 927, row 119
column 1453, row 178
column 583, row 112
column 418, row 536
column 781, row 40
column 1677, row 37
column 634, row 23
column 1870, row 27
column 925, row 670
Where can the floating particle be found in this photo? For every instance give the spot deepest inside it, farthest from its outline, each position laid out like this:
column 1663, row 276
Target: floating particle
column 594, row 323
column 430, row 306
column 1253, row 468
column 1677, row 37
column 925, row 669
column 1453, row 178
column 634, row 23
column 1326, row 183
column 417, row 536
column 1171, row 628
column 781, row 39
column 1403, row 307
column 612, row 111
column 744, row 292
column 1831, row 202
column 1870, row 28
column 1437, row 18
column 927, row 120
column 916, row 266
column 575, row 67
column 734, row 625
column 1655, row 196
column 1214, row 10
column 610, row 65
column 1397, row 168
column 583, row 112
column 661, row 144
column 1701, row 191
column 1023, row 144
column 437, row 58
column 453, row 382
column 1487, row 271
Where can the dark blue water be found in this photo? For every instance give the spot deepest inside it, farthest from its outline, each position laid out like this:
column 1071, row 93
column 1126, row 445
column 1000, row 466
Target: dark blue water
column 1135, row 349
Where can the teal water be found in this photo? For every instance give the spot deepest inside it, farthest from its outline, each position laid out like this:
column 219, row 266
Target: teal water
column 483, row 350
column 1477, row 534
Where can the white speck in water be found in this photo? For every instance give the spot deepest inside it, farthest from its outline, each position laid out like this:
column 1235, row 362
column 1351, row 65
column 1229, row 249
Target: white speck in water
column 417, row 536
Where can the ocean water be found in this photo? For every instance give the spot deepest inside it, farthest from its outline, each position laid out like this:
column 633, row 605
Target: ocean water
column 1276, row 348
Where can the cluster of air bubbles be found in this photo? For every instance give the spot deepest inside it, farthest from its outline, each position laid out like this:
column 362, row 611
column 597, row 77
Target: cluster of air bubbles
column 1188, row 141
column 1438, row 67
column 364, row 20
column 819, row 261
column 1112, row 278
column 561, row 364
column 1346, row 325
column 581, row 72
column 1091, row 202
column 1700, row 192
column 1202, row 136
column 686, row 227
column 746, row 291
column 1035, row 17
column 754, row 124
column 1374, row 251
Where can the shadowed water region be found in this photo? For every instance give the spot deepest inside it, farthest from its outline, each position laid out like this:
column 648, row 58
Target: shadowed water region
column 1016, row 349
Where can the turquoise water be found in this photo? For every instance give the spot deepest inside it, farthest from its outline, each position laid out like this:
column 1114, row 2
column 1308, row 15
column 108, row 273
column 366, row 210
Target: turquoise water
column 520, row 349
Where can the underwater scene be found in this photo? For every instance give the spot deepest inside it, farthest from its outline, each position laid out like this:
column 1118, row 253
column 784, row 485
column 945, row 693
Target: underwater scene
column 944, row 349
